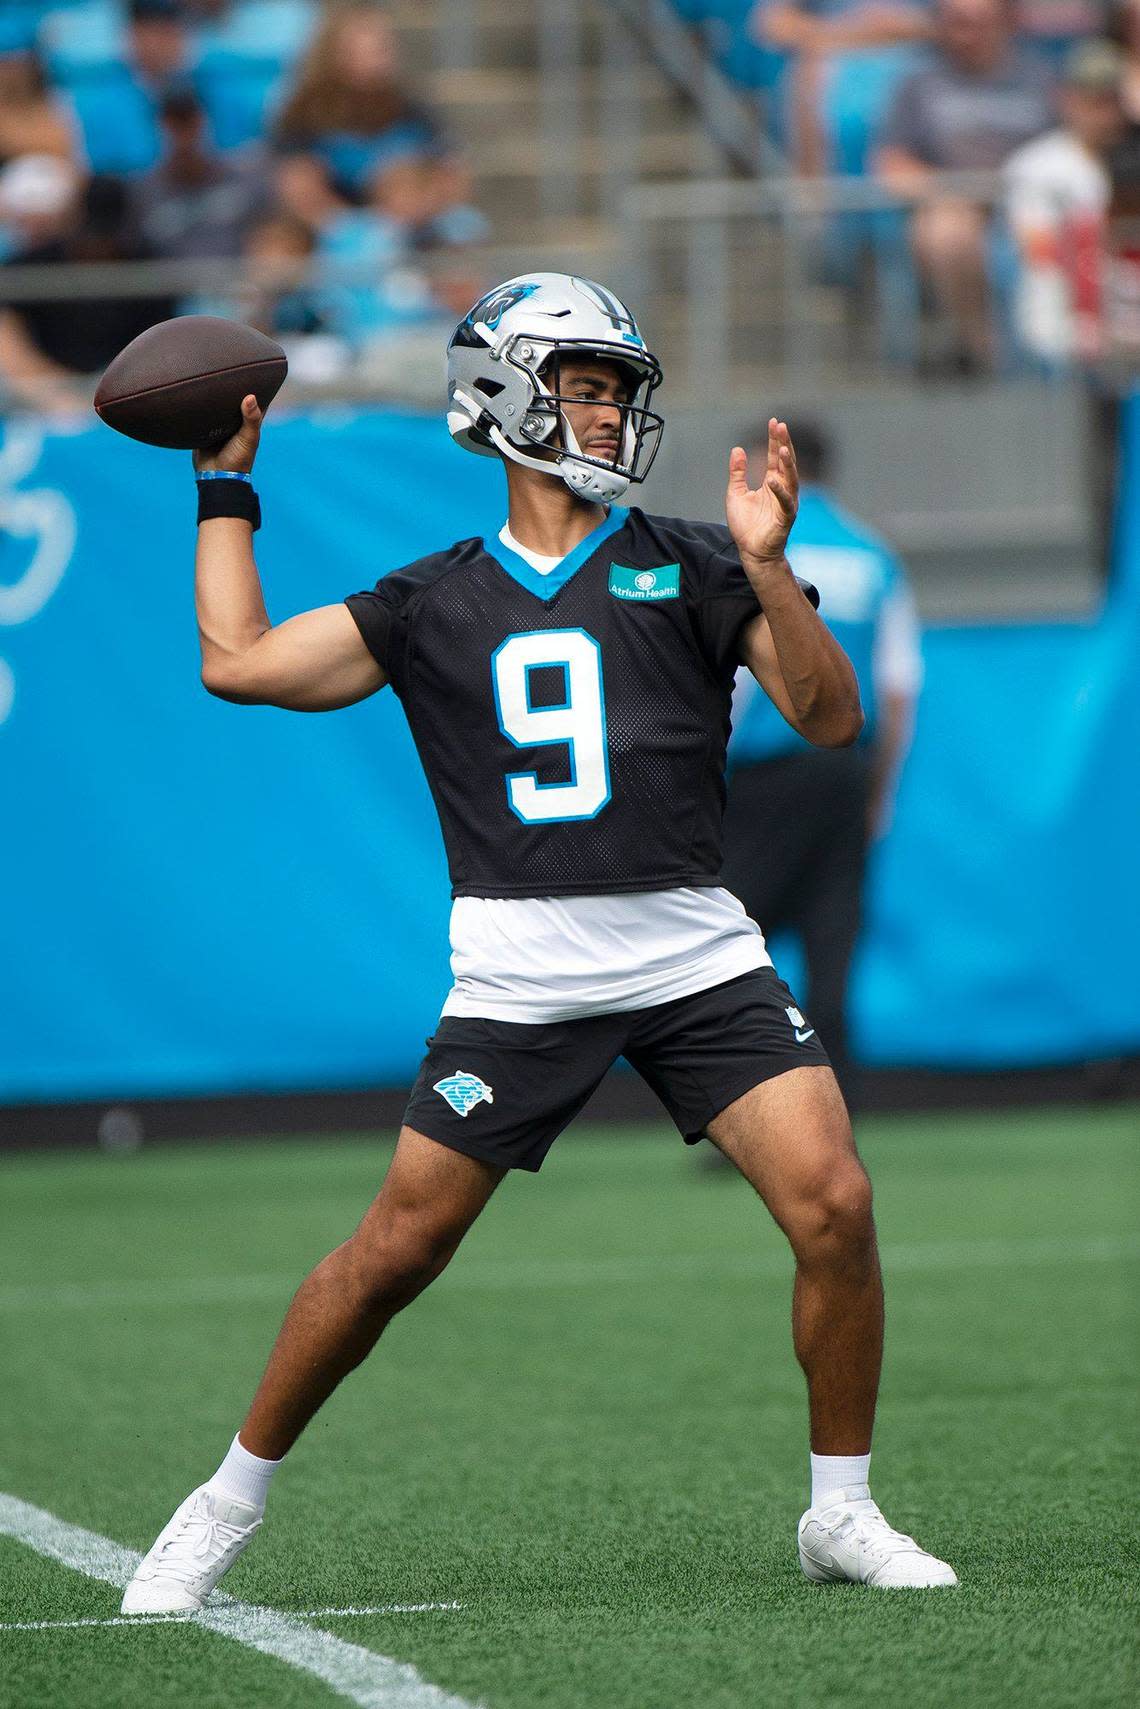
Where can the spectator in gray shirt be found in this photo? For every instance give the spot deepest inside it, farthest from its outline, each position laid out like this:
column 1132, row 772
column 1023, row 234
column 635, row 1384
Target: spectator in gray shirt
column 980, row 98
column 196, row 204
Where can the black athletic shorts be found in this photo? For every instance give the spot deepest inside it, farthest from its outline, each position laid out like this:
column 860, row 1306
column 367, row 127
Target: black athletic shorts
column 504, row 1090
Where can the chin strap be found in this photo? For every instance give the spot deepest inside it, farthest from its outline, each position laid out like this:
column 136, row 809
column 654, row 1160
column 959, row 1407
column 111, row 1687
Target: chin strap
column 589, row 480
column 600, row 485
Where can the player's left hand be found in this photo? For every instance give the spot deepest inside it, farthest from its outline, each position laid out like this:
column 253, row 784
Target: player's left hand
column 760, row 519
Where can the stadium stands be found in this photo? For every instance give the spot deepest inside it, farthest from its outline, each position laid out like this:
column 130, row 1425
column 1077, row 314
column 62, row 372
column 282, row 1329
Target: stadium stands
column 207, row 114
column 838, row 85
column 358, row 237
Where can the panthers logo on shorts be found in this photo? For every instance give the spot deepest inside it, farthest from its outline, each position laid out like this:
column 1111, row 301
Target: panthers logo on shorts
column 463, row 1091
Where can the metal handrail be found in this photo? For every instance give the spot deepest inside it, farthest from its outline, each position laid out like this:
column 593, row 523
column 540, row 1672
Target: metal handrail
column 700, row 220
column 729, row 198
column 66, row 281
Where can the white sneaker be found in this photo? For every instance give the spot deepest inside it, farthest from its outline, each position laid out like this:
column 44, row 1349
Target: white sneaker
column 846, row 1537
column 201, row 1542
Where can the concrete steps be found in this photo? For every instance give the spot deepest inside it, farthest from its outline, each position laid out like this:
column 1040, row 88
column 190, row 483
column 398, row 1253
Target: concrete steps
column 549, row 170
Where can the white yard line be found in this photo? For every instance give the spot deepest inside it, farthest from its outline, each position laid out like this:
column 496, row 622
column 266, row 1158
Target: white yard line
column 362, row 1676
column 913, row 1257
column 184, row 1619
column 384, row 1608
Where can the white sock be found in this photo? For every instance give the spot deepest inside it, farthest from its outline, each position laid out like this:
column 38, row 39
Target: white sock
column 830, row 1472
column 244, row 1476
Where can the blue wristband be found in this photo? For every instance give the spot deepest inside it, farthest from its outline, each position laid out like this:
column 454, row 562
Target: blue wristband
column 223, row 475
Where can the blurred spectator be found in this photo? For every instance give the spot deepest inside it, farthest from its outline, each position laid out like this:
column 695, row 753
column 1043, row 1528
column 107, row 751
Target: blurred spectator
column 348, row 104
column 196, row 203
column 800, row 819
column 38, row 193
column 1052, row 28
column 32, row 118
column 980, row 98
column 1124, row 29
column 245, row 47
column 47, row 343
column 368, row 287
column 424, row 196
column 305, row 189
column 1122, row 261
column 282, row 302
column 371, row 291
column 1058, row 189
column 158, row 42
column 118, row 106
column 840, row 71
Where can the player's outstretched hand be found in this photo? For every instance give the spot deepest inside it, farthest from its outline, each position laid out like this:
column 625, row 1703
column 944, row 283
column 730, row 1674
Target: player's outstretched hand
column 760, row 519
column 236, row 454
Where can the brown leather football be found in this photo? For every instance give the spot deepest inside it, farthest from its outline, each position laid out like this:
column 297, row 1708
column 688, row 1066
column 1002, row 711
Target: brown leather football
column 180, row 383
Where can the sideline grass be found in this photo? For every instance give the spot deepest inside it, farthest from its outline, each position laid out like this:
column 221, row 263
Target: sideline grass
column 591, row 1431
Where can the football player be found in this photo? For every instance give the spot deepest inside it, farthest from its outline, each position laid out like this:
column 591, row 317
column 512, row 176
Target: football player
column 568, row 684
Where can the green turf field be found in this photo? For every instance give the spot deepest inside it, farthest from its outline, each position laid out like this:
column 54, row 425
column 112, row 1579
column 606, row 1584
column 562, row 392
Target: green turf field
column 590, row 1432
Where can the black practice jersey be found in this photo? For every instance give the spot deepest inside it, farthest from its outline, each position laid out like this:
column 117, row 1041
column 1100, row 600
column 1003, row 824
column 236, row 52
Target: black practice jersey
column 572, row 726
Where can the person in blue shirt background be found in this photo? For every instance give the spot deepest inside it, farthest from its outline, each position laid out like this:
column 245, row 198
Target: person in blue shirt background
column 800, row 819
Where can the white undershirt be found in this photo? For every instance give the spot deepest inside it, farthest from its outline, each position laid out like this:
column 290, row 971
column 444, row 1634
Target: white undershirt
column 537, row 560
column 538, row 959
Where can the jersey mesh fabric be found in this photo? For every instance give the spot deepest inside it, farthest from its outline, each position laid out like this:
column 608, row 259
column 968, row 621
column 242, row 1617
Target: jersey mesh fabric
column 667, row 669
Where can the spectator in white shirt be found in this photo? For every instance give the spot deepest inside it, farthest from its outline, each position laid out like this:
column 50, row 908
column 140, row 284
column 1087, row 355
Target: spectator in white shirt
column 1057, row 194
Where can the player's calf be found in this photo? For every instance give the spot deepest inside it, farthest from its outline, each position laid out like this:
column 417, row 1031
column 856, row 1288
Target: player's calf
column 430, row 1197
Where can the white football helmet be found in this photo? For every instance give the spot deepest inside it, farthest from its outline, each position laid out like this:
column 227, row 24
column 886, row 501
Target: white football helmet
column 503, row 384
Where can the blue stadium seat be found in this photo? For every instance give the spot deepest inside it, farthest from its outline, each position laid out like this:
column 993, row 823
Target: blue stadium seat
column 352, row 160
column 266, row 32
column 739, row 56
column 239, row 95
column 79, row 39
column 858, row 95
column 117, row 122
column 19, row 20
column 244, row 63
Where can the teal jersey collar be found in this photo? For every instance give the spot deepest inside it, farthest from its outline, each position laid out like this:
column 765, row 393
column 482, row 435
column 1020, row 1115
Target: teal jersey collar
column 546, row 586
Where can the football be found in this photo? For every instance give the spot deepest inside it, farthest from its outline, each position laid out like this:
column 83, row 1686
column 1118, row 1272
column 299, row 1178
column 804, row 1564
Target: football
column 180, row 384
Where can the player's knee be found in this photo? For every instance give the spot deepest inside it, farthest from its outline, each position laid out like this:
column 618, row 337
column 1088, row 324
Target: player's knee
column 396, row 1256
column 836, row 1222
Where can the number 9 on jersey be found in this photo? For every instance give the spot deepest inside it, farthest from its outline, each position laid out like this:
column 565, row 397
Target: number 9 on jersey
column 579, row 722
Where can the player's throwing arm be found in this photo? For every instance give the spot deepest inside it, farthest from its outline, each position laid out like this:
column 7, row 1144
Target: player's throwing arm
column 203, row 383
column 311, row 663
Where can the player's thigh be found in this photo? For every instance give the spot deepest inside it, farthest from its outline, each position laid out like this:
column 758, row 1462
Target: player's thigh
column 430, row 1196
column 502, row 1091
column 791, row 1138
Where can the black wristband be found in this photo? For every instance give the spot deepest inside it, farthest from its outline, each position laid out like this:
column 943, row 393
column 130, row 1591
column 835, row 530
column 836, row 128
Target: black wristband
column 228, row 498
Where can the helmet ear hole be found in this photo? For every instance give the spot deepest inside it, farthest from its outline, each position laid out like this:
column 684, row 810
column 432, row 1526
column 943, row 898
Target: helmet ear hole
column 489, row 388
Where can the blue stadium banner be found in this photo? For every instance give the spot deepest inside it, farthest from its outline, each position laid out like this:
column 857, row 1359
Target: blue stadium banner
column 201, row 898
